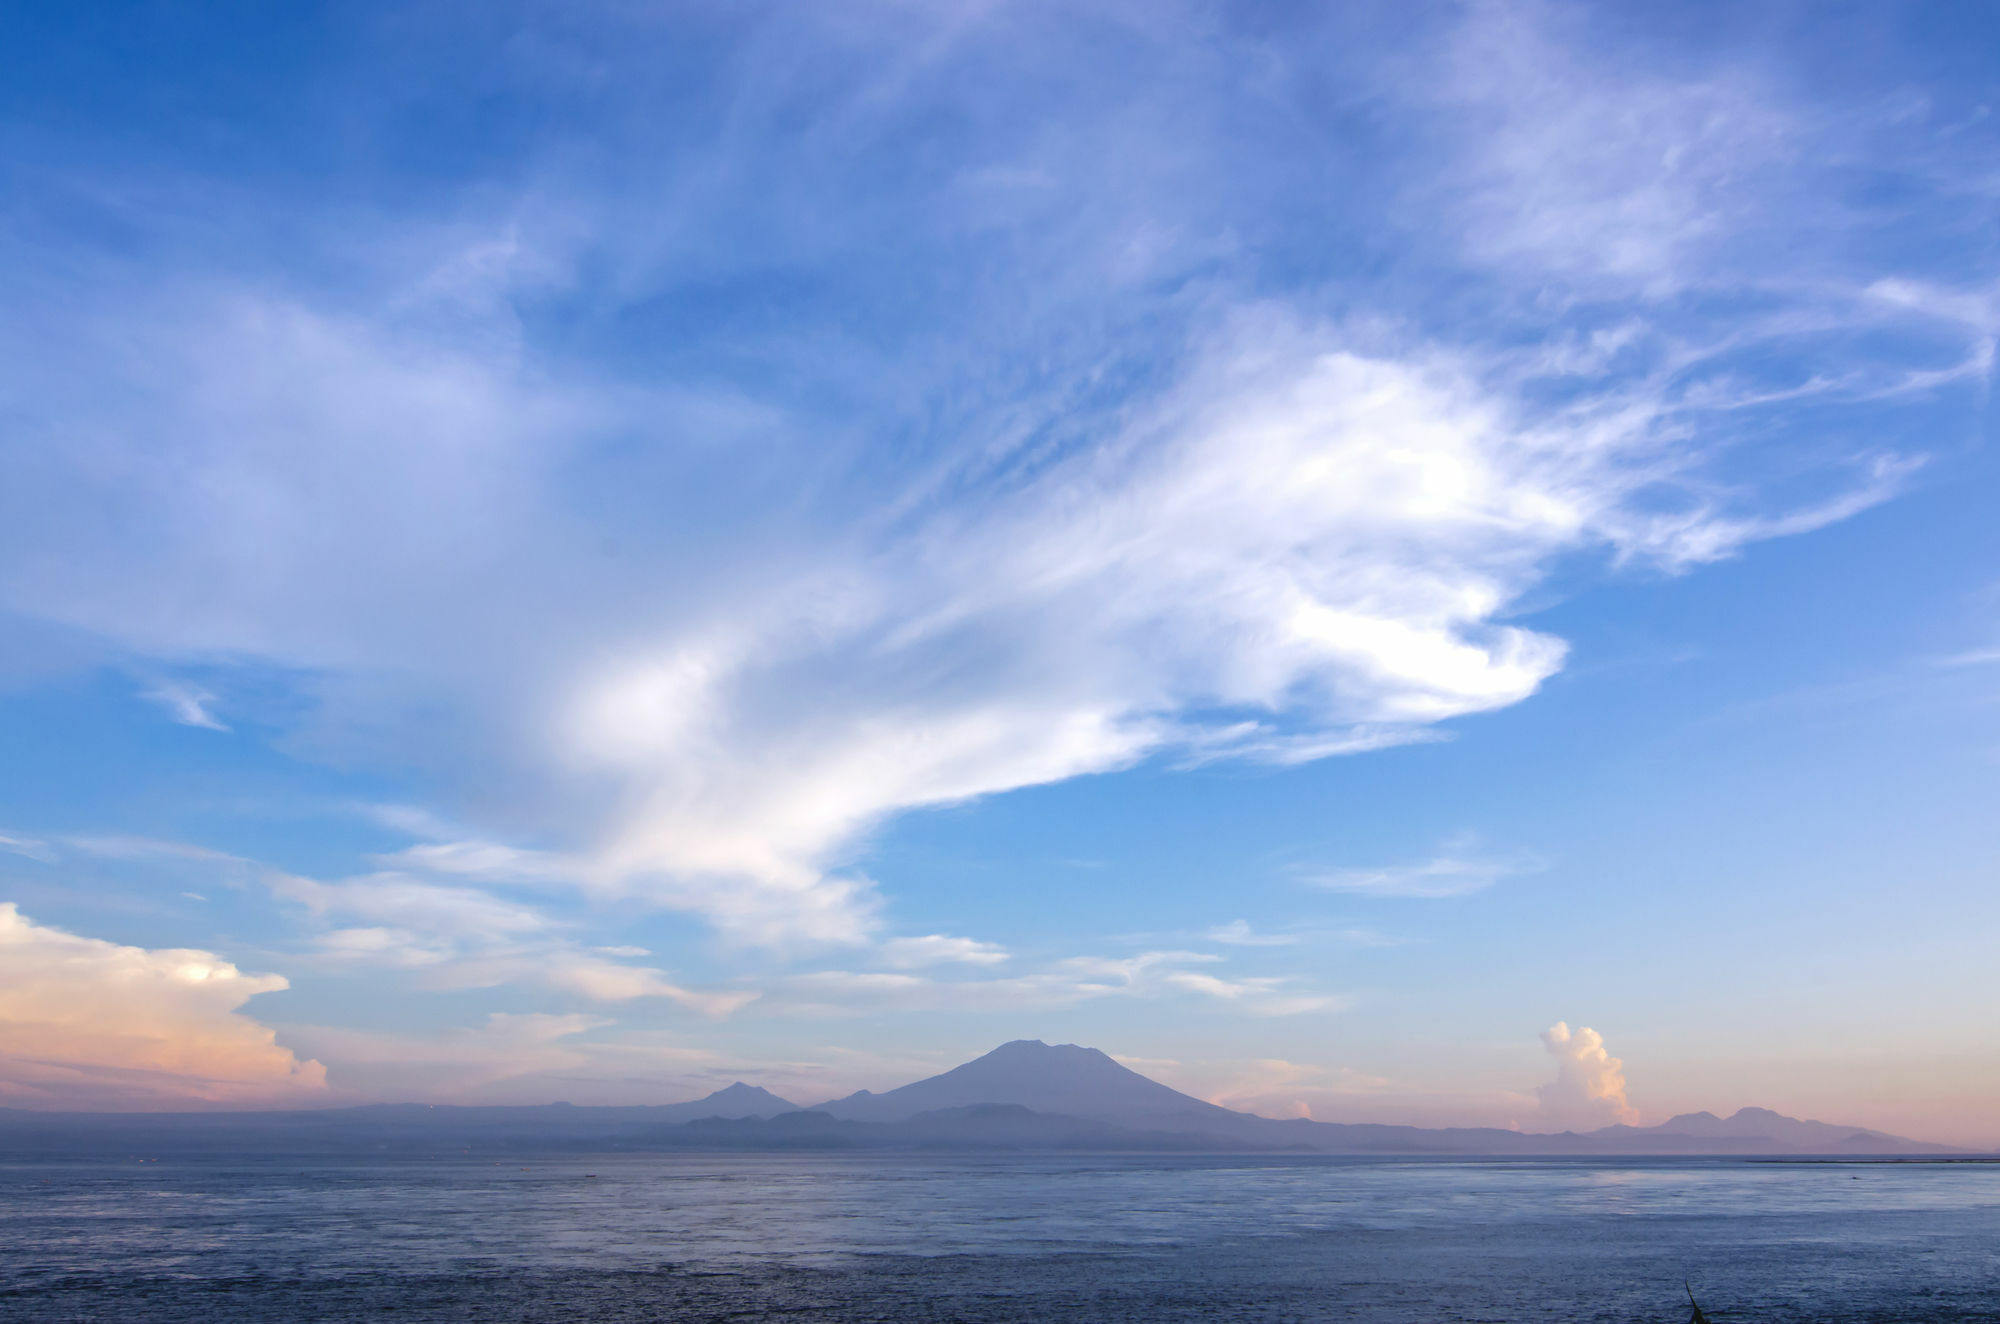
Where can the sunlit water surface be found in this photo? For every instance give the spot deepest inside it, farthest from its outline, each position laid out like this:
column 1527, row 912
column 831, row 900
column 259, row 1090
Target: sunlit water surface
column 1111, row 1239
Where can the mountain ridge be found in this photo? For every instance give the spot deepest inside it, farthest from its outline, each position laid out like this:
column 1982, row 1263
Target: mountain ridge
column 1072, row 1080
column 1062, row 1079
column 1024, row 1095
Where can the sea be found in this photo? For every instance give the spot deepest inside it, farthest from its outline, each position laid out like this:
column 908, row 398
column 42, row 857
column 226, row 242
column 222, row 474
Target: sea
column 1038, row 1238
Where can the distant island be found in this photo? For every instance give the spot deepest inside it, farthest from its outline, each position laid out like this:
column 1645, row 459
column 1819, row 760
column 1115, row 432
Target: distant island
column 1024, row 1096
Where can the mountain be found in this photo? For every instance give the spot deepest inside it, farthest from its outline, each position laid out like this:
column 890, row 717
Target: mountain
column 1022, row 1096
column 392, row 1128
column 1760, row 1127
column 731, row 1101
column 1072, row 1081
column 982, row 1126
column 1062, row 1079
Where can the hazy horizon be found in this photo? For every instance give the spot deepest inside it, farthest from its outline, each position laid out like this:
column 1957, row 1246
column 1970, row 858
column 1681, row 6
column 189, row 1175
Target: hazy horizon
column 738, row 1091
column 1428, row 568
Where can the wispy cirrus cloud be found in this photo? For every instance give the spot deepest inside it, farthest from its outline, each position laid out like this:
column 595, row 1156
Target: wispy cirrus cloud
column 188, row 704
column 119, row 846
column 940, row 949
column 1115, row 495
column 466, row 937
column 1066, row 982
column 30, row 847
column 1260, row 996
column 1976, row 657
column 402, row 900
column 1457, row 871
column 1238, row 933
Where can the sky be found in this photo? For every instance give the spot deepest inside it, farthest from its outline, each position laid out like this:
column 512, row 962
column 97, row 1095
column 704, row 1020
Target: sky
column 1378, row 563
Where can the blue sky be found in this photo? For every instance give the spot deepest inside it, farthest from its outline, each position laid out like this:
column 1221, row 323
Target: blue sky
column 588, row 551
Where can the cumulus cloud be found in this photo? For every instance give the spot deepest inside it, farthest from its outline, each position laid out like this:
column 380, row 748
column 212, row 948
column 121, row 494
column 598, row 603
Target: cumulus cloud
column 1589, row 1088
column 91, row 1024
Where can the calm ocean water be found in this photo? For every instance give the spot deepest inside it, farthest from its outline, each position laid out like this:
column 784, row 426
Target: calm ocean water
column 1100, row 1239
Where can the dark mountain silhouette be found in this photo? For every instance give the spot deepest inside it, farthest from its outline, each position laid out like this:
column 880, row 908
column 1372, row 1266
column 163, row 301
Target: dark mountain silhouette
column 737, row 1100
column 980, row 1126
column 1025, row 1095
column 1762, row 1126
column 1073, row 1081
column 381, row 1128
column 1063, row 1079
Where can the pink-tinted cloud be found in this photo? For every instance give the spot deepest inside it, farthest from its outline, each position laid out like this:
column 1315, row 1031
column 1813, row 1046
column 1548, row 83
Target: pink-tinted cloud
column 1589, row 1088
column 86, row 1023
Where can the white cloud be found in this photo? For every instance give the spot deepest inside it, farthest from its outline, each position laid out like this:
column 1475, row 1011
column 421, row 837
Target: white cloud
column 1978, row 310
column 1315, row 541
column 940, row 949
column 1457, row 872
column 1978, row 657
column 380, row 945
column 1602, row 169
column 28, row 846
column 485, row 860
column 412, row 820
column 400, row 900
column 1131, row 971
column 1589, row 1088
column 1063, row 983
column 1368, row 938
column 1238, row 933
column 187, row 704
column 608, row 981
column 840, row 993
column 1260, row 996
column 465, row 937
column 1317, row 535
column 150, row 848
column 91, row 1024
column 1211, row 526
